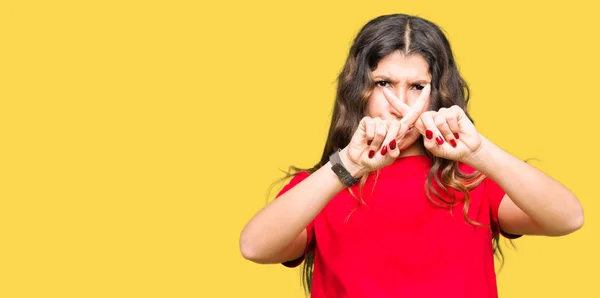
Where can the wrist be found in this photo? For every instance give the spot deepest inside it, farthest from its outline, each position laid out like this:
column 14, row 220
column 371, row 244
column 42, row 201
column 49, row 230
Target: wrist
column 481, row 156
column 353, row 168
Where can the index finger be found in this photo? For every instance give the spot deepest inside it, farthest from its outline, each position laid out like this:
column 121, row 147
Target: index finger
column 396, row 103
column 414, row 113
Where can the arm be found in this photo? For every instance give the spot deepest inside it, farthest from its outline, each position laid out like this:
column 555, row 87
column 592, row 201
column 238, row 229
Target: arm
column 277, row 233
column 534, row 204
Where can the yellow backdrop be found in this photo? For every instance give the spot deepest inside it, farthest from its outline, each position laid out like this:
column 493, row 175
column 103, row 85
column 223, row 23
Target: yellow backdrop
column 138, row 137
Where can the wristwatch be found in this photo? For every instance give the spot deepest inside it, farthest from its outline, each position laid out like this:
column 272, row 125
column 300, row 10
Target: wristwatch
column 338, row 168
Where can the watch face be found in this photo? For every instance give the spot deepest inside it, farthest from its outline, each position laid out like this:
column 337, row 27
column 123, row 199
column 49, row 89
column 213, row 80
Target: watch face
column 339, row 169
column 343, row 174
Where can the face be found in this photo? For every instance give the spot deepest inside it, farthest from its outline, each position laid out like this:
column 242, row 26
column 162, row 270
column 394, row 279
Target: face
column 405, row 76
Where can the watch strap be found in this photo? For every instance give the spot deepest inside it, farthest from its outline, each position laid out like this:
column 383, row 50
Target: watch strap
column 340, row 170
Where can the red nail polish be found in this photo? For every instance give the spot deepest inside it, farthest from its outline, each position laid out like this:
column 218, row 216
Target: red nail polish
column 439, row 140
column 456, row 136
column 384, row 150
column 393, row 144
column 453, row 143
column 369, row 142
column 429, row 134
column 371, row 154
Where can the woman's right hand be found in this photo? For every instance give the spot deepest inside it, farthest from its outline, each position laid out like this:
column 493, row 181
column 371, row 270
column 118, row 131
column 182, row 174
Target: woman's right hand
column 374, row 143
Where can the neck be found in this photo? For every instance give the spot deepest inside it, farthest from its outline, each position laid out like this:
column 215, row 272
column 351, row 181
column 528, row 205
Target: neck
column 414, row 149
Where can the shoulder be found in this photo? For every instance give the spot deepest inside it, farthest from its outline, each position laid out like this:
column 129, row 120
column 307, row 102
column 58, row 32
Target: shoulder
column 298, row 177
column 301, row 175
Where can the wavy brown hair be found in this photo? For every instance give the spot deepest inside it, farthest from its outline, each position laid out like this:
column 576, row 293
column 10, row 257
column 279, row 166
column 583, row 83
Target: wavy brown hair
column 377, row 39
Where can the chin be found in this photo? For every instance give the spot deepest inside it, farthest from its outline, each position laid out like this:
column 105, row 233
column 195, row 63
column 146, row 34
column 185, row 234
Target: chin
column 410, row 140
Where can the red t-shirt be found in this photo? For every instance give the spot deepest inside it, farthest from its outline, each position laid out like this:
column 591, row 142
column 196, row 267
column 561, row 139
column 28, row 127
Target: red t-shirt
column 400, row 244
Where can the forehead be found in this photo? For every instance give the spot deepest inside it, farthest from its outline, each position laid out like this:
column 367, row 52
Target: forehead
column 399, row 65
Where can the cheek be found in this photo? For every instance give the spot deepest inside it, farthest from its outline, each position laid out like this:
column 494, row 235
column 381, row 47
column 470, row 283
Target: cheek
column 377, row 105
column 412, row 99
column 372, row 109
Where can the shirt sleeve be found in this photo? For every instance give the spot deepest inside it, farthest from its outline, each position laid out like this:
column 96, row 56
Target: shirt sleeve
column 309, row 229
column 495, row 195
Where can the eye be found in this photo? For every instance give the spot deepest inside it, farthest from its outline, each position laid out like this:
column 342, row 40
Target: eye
column 418, row 87
column 382, row 84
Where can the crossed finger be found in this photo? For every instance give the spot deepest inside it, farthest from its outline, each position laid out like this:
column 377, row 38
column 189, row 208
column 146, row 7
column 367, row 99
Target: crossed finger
column 409, row 114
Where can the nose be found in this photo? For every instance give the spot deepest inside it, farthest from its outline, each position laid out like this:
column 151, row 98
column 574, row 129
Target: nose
column 402, row 96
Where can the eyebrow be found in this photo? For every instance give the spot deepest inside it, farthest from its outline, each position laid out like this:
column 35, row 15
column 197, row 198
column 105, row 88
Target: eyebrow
column 420, row 80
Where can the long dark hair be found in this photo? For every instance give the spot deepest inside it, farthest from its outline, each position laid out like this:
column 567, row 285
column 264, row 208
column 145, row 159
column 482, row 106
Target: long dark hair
column 377, row 39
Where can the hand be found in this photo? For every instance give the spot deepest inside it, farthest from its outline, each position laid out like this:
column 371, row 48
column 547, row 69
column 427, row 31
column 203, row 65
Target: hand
column 448, row 133
column 374, row 145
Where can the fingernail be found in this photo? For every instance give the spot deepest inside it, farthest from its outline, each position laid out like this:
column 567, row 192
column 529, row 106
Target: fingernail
column 456, row 136
column 453, row 143
column 439, row 140
column 369, row 143
column 393, row 144
column 371, row 154
column 429, row 134
column 384, row 150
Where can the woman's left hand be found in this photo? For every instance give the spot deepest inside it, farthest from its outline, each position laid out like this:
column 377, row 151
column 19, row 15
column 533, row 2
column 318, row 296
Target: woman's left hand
column 448, row 133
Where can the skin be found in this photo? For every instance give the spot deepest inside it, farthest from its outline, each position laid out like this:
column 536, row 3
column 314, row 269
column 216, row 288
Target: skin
column 404, row 77
column 535, row 204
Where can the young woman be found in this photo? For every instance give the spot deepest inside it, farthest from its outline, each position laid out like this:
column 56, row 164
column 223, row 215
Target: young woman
column 408, row 199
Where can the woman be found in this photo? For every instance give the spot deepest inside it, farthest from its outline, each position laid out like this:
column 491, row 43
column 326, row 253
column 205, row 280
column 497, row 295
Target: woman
column 408, row 199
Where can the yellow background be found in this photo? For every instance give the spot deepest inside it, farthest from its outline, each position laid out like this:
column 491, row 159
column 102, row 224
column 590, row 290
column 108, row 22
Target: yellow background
column 138, row 137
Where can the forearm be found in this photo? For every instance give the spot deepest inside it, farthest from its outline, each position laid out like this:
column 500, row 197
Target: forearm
column 552, row 206
column 277, row 225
